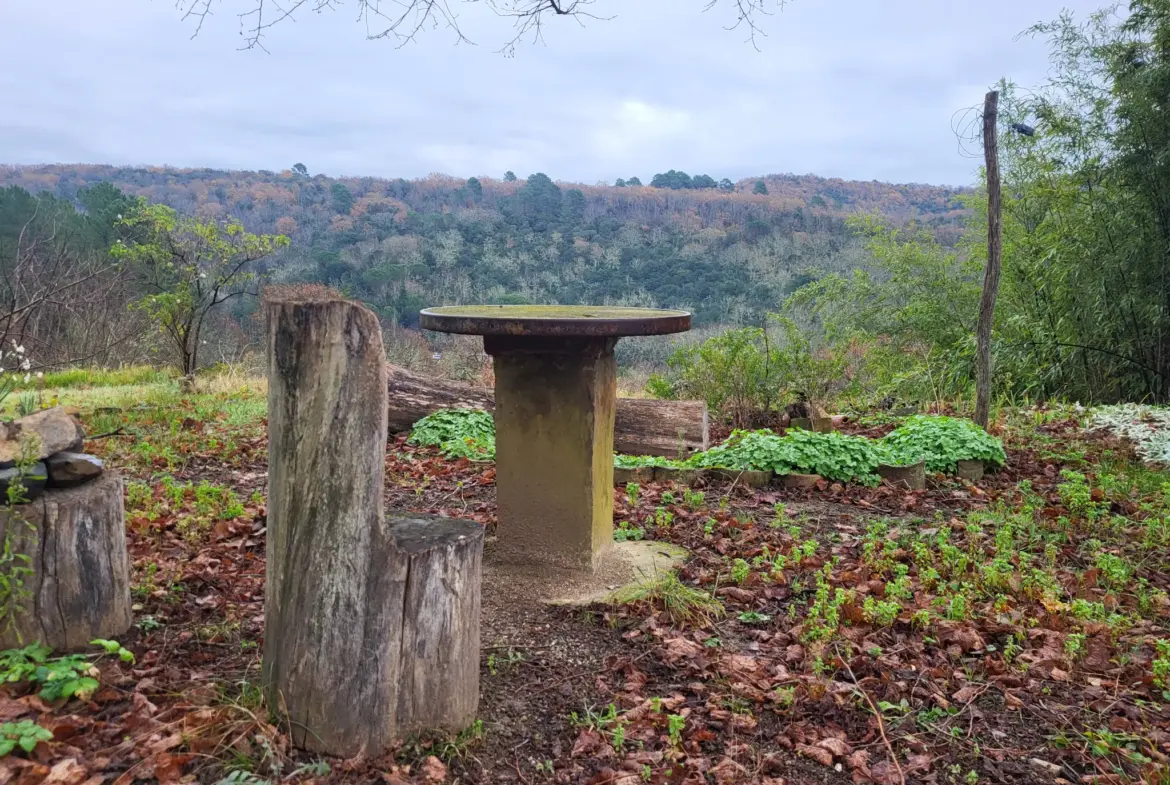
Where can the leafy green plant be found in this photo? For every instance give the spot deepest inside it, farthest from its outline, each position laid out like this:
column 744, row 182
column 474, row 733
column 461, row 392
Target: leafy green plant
column 61, row 677
column 632, row 492
column 1161, row 664
column 625, row 531
column 645, row 461
column 881, row 612
column 459, row 433
column 834, row 456
column 113, row 647
column 942, row 442
column 25, row 734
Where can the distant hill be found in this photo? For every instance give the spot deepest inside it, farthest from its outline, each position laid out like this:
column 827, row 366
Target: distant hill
column 401, row 244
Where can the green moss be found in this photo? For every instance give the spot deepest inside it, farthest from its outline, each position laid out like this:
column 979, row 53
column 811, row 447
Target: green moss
column 550, row 312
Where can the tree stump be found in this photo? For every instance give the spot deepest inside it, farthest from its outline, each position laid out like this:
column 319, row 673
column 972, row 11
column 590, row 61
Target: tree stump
column 440, row 561
column 79, row 585
column 369, row 624
column 912, row 477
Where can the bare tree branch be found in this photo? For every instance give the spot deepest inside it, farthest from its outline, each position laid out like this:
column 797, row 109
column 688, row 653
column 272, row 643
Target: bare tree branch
column 403, row 20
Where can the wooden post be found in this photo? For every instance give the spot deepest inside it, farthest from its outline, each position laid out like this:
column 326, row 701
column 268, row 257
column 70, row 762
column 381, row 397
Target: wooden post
column 371, row 626
column 994, row 262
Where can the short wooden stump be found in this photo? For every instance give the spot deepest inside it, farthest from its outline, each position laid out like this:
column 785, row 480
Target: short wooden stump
column 77, row 587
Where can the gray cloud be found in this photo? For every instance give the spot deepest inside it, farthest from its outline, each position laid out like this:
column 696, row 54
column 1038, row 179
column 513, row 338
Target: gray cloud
column 845, row 88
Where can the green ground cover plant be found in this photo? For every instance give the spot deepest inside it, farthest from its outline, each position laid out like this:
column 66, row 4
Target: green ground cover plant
column 942, row 442
column 459, row 433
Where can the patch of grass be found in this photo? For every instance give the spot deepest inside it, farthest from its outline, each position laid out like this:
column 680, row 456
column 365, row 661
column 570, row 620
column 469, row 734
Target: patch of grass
column 131, row 375
column 682, row 603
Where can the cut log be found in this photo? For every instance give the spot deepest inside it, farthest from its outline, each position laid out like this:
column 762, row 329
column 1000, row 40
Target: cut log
column 674, row 429
column 440, row 561
column 77, row 587
column 912, row 477
column 369, row 624
column 641, row 426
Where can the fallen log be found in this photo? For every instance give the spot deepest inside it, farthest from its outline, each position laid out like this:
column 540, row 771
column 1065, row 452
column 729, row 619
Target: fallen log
column 641, row 426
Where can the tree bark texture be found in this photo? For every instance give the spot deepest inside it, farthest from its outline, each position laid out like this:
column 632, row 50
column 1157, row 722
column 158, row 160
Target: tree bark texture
column 347, row 656
column 440, row 564
column 79, row 585
column 994, row 263
column 641, row 426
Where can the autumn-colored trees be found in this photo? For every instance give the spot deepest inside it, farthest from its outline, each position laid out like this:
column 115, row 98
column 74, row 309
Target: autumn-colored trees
column 723, row 251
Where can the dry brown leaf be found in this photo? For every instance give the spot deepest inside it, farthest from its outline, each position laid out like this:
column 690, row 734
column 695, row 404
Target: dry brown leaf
column 819, row 754
column 67, row 772
column 433, row 769
column 966, row 694
column 836, row 746
column 588, row 742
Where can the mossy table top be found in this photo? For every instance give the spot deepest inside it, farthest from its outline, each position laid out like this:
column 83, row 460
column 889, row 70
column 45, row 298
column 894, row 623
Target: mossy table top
column 560, row 321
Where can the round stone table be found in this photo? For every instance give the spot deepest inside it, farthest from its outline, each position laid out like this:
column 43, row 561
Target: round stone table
column 556, row 387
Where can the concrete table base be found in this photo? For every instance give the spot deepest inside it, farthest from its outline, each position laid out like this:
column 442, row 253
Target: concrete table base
column 554, row 449
column 556, row 388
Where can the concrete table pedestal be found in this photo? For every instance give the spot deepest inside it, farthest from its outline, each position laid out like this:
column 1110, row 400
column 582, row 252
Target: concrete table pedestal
column 556, row 388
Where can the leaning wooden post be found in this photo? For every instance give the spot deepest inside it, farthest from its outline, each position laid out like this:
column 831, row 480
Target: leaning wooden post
column 994, row 262
column 371, row 626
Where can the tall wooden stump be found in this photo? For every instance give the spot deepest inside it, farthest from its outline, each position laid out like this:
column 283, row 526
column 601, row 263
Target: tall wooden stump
column 78, row 584
column 367, row 623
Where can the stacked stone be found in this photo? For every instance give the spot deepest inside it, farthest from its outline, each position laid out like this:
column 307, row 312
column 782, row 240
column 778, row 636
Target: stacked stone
column 53, row 439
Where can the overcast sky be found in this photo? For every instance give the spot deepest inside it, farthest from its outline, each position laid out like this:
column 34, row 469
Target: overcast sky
column 842, row 88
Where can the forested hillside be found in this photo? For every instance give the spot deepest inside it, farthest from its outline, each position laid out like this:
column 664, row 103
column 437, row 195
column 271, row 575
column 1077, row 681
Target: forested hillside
column 729, row 251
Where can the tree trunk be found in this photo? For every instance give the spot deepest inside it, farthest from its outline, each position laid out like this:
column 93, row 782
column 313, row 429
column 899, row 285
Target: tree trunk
column 994, row 261
column 346, row 654
column 642, row 426
column 79, row 585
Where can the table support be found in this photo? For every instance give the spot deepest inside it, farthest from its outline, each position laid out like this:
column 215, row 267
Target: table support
column 554, row 419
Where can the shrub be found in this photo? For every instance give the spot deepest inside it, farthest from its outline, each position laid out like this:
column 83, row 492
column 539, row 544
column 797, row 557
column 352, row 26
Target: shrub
column 736, row 373
column 942, row 442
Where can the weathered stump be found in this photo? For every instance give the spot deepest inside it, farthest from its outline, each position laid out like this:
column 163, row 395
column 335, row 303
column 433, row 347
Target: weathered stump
column 347, row 654
column 78, row 587
column 970, row 470
column 912, row 477
column 439, row 563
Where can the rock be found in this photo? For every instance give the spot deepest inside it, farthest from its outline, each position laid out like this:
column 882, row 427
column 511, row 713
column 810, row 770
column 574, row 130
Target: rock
column 912, row 477
column 643, row 475
column 749, row 478
column 971, row 471
column 821, row 424
column 51, row 430
column 803, row 423
column 67, row 469
column 34, row 481
column 671, row 474
column 804, row 481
